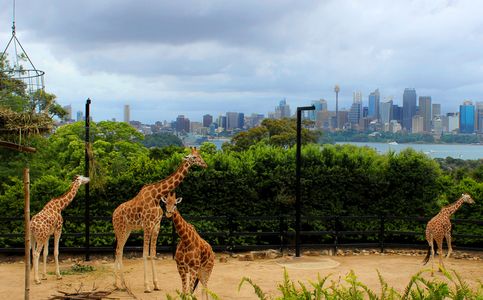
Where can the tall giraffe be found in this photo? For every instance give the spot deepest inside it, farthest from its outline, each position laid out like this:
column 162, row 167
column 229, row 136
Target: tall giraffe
column 439, row 227
column 194, row 257
column 144, row 212
column 47, row 222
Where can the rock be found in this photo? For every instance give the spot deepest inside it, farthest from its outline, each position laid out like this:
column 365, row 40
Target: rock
column 246, row 257
column 311, row 253
column 271, row 253
column 258, row 254
column 223, row 259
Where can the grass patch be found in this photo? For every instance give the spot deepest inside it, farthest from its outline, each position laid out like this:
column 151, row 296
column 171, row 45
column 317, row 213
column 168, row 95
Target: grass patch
column 76, row 269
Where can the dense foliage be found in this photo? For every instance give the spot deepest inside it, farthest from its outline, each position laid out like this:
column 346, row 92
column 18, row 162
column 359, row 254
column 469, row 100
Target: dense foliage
column 259, row 181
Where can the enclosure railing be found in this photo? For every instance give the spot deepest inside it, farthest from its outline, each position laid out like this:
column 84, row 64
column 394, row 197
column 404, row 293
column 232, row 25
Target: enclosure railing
column 240, row 233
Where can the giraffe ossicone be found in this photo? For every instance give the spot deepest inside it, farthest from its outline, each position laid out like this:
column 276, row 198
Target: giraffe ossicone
column 143, row 212
column 47, row 222
column 439, row 228
column 194, row 256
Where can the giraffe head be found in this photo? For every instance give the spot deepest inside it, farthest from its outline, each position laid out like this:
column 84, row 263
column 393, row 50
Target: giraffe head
column 467, row 198
column 81, row 179
column 195, row 158
column 171, row 201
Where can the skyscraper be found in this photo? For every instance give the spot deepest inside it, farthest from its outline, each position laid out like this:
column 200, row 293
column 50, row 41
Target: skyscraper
column 425, row 112
column 127, row 113
column 207, row 120
column 182, row 124
column 232, row 120
column 386, row 112
column 479, row 116
column 374, row 99
column 409, row 108
column 282, row 110
column 355, row 114
column 467, row 117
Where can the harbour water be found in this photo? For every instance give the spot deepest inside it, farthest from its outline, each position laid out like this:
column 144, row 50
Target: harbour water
column 460, row 151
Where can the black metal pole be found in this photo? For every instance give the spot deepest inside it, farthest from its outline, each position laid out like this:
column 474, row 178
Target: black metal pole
column 298, row 206
column 87, row 199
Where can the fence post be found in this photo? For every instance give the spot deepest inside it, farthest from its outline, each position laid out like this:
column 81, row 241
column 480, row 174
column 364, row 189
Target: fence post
column 336, row 234
column 26, row 184
column 87, row 196
column 281, row 232
column 381, row 232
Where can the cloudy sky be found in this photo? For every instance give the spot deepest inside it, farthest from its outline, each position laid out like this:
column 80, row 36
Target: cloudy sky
column 166, row 58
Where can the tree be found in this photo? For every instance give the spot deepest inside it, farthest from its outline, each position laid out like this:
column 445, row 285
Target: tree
column 276, row 132
column 162, row 139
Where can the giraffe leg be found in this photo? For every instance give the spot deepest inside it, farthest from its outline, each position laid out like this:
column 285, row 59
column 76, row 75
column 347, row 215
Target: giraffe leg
column 440, row 256
column 146, row 240
column 36, row 248
column 193, row 276
column 118, row 267
column 204, row 275
column 184, row 274
column 56, row 252
column 448, row 241
column 152, row 252
column 46, row 253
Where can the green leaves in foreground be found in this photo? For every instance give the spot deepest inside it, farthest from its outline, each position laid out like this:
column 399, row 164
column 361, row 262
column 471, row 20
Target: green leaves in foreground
column 351, row 288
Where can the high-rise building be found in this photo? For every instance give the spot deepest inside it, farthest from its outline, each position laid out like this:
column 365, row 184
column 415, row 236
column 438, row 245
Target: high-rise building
column 425, row 112
column 397, row 113
column 374, row 100
column 409, row 108
column 436, row 110
column 182, row 124
column 355, row 113
column 127, row 113
column 221, row 122
column 479, row 116
column 417, row 125
column 467, row 117
column 207, row 120
column 68, row 115
column 453, row 122
column 282, row 110
column 241, row 120
column 80, row 116
column 232, row 120
column 319, row 105
column 386, row 112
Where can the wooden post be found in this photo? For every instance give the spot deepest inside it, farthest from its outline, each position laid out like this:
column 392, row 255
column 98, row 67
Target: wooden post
column 26, row 184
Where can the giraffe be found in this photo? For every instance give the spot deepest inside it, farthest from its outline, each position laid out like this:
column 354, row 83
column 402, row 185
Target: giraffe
column 194, row 257
column 144, row 212
column 439, row 227
column 47, row 222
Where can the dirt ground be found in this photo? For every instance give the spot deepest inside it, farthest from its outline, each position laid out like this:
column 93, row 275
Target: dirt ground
column 396, row 269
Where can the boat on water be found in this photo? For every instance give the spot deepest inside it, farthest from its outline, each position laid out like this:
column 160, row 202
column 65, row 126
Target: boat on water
column 393, row 143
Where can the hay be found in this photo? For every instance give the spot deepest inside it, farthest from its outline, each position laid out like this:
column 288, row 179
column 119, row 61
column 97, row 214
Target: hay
column 25, row 123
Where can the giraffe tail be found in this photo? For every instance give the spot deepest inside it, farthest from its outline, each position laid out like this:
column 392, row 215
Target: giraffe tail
column 195, row 285
column 428, row 255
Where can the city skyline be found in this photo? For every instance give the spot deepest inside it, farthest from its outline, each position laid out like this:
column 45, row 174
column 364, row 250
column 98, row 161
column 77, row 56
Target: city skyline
column 165, row 58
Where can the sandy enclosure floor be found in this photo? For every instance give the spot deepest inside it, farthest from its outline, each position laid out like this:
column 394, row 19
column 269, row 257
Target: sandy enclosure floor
column 227, row 273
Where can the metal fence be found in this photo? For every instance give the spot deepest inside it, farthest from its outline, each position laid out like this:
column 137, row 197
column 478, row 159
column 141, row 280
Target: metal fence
column 240, row 233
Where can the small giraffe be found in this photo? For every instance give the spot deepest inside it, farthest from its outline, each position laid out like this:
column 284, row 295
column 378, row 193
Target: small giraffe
column 194, row 257
column 47, row 222
column 144, row 212
column 439, row 227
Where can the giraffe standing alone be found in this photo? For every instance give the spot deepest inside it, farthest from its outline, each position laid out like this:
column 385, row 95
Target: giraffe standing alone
column 144, row 212
column 439, row 227
column 47, row 222
column 194, row 257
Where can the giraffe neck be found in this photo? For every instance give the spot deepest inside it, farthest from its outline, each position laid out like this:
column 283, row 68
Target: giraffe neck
column 452, row 208
column 182, row 227
column 63, row 201
column 172, row 181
